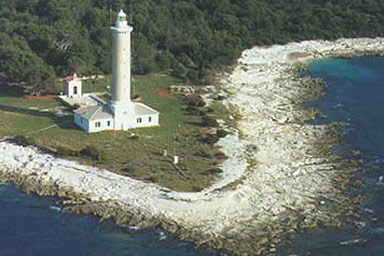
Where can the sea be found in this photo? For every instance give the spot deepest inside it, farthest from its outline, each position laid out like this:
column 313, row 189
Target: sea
column 32, row 225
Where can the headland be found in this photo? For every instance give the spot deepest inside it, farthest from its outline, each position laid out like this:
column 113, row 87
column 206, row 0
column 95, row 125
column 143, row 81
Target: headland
column 286, row 177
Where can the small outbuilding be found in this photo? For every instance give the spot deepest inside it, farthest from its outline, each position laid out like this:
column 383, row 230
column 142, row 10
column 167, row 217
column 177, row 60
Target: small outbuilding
column 72, row 86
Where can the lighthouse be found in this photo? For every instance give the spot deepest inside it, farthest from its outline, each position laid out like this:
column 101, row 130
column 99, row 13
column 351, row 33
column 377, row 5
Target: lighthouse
column 121, row 60
column 121, row 113
column 121, row 103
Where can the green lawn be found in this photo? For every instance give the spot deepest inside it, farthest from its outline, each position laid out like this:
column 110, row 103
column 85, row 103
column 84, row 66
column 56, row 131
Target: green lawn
column 140, row 158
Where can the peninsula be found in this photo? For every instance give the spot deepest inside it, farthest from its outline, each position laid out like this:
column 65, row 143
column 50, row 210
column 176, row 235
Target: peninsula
column 280, row 175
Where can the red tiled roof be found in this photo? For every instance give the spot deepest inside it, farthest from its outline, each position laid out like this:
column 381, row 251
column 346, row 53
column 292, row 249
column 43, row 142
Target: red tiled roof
column 68, row 78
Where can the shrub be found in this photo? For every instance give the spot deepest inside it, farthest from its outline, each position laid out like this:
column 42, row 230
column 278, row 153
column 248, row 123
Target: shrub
column 23, row 140
column 196, row 189
column 221, row 133
column 210, row 139
column 209, row 121
column 147, row 65
column 95, row 153
column 65, row 151
column 204, row 153
column 220, row 156
column 220, row 97
column 215, row 171
column 193, row 110
column 212, row 171
column 195, row 100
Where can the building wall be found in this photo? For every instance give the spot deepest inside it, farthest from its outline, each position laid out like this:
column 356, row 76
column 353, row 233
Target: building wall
column 123, row 113
column 101, row 125
column 146, row 121
column 69, row 88
column 132, row 121
column 81, row 122
column 65, row 88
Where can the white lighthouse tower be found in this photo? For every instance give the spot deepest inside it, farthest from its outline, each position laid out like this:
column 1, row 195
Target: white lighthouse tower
column 121, row 103
column 121, row 113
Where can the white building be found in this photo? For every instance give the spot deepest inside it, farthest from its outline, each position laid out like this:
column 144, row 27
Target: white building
column 72, row 86
column 121, row 113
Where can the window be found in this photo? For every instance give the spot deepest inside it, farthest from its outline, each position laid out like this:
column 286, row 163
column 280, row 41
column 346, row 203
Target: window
column 139, row 120
column 109, row 123
column 81, row 120
column 97, row 124
column 75, row 90
column 150, row 119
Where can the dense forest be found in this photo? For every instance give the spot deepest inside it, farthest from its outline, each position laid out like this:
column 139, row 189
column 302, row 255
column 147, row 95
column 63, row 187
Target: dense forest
column 41, row 40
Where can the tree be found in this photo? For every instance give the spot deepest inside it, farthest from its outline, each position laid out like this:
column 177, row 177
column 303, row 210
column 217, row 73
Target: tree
column 25, row 66
column 194, row 38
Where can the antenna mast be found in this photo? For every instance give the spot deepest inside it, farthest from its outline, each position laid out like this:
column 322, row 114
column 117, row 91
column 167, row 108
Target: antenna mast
column 110, row 14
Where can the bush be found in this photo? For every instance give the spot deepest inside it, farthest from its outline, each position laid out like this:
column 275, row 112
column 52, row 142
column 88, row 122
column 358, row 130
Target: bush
column 219, row 97
column 220, row 155
column 210, row 139
column 212, row 171
column 23, row 140
column 197, row 188
column 215, row 171
column 195, row 100
column 192, row 110
column 96, row 153
column 65, row 151
column 164, row 60
column 221, row 133
column 209, row 121
column 204, row 153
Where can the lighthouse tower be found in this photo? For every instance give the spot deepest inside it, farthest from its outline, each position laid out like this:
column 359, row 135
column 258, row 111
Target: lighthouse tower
column 121, row 113
column 121, row 103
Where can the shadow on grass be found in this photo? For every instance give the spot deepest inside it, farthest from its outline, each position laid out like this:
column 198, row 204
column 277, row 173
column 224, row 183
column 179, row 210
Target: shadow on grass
column 62, row 122
column 198, row 124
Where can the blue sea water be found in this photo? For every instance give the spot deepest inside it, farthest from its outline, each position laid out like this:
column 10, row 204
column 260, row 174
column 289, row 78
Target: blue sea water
column 31, row 225
column 354, row 96
column 34, row 226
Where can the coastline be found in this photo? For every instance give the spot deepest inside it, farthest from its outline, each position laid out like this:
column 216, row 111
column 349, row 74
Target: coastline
column 294, row 181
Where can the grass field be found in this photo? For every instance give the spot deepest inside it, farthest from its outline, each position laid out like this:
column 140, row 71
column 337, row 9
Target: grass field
column 142, row 156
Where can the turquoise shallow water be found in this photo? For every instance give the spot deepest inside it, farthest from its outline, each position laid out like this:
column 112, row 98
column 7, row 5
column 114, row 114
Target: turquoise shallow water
column 354, row 96
column 29, row 225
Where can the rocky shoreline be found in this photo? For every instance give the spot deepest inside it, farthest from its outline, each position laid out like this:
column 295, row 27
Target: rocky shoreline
column 294, row 181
